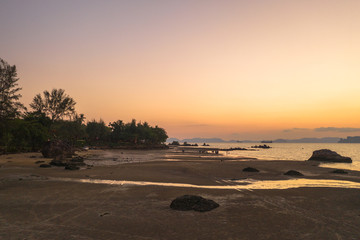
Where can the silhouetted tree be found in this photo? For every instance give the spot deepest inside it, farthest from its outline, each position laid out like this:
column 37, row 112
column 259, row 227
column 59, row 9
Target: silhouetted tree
column 136, row 133
column 117, row 131
column 68, row 131
column 97, row 132
column 55, row 104
column 10, row 107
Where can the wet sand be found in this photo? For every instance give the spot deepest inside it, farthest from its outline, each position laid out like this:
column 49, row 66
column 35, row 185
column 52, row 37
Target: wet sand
column 32, row 206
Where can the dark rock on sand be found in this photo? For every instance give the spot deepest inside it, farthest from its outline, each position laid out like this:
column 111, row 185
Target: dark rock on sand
column 104, row 214
column 191, row 202
column 77, row 159
column 45, row 165
column 250, row 169
column 340, row 171
column 77, row 164
column 57, row 149
column 326, row 155
column 293, row 173
column 37, row 162
column 58, row 163
column 71, row 167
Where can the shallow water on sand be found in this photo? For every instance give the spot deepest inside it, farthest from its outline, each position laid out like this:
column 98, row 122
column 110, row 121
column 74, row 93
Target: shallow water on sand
column 278, row 151
column 297, row 151
column 248, row 184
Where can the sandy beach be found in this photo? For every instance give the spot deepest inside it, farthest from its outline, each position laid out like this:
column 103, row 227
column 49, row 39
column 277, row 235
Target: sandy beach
column 36, row 204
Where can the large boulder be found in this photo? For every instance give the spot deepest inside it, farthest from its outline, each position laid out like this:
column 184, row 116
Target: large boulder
column 250, row 169
column 293, row 173
column 191, row 202
column 57, row 149
column 326, row 155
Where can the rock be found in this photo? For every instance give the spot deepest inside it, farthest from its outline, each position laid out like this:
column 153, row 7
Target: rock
column 37, row 162
column 104, row 214
column 77, row 163
column 58, row 163
column 57, row 148
column 45, row 165
column 250, row 169
column 340, row 171
column 191, row 202
column 71, row 167
column 261, row 146
column 326, row 155
column 77, row 159
column 293, row 173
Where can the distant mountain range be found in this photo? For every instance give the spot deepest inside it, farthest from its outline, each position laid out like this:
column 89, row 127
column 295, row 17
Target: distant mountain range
column 219, row 140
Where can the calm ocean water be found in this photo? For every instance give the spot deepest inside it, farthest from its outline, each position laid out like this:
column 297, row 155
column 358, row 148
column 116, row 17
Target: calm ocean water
column 297, row 151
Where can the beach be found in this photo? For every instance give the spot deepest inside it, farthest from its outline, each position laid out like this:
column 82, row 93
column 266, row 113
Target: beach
column 53, row 203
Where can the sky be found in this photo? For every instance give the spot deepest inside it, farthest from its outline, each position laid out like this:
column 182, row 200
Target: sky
column 259, row 69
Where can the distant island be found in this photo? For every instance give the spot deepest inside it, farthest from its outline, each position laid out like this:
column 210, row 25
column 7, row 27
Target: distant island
column 355, row 139
column 300, row 140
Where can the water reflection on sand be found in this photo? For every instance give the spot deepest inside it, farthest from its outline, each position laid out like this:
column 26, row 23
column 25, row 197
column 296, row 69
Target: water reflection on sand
column 248, row 184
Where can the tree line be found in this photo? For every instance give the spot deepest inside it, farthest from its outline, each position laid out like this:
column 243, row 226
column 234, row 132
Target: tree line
column 53, row 116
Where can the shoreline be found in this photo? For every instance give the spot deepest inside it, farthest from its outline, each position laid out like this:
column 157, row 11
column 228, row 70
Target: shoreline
column 32, row 206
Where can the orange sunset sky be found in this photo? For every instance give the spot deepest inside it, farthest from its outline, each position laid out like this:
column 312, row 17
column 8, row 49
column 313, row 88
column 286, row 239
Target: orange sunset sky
column 259, row 69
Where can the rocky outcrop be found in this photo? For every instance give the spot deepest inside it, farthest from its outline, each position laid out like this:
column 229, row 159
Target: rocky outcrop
column 339, row 171
column 250, row 169
column 261, row 146
column 326, row 155
column 293, row 173
column 69, row 164
column 191, row 202
column 57, row 149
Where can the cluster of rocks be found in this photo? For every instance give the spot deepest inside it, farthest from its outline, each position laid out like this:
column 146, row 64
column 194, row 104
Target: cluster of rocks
column 292, row 173
column 70, row 164
column 261, row 146
column 62, row 154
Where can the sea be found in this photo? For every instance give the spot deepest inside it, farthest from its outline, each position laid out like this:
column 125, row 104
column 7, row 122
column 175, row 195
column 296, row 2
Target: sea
column 296, row 151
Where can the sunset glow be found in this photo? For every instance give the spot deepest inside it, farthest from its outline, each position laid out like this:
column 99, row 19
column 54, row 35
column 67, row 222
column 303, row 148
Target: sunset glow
column 230, row 69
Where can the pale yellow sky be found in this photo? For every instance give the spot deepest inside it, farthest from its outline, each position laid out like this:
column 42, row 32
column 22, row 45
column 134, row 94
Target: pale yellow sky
column 230, row 69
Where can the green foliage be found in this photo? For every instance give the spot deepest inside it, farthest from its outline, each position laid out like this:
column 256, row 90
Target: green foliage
column 47, row 121
column 38, row 117
column 117, row 132
column 136, row 133
column 55, row 104
column 97, row 133
column 23, row 135
column 68, row 131
column 10, row 107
